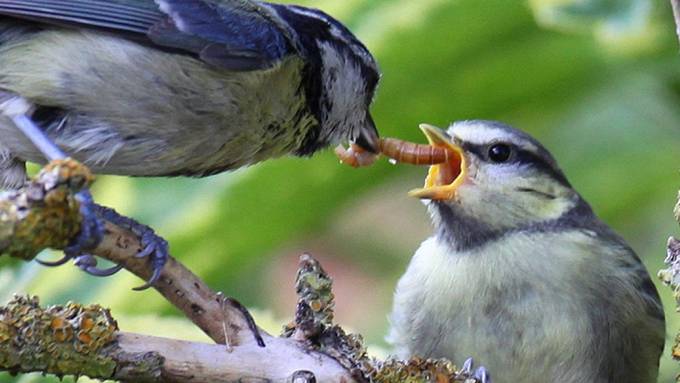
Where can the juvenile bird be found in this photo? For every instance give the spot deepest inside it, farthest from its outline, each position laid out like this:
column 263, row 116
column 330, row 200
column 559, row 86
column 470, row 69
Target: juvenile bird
column 177, row 87
column 520, row 273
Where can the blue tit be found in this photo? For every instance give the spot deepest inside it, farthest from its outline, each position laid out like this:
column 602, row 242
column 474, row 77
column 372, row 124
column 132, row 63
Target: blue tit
column 520, row 273
column 180, row 87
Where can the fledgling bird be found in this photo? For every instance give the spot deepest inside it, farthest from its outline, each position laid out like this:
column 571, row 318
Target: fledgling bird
column 178, row 87
column 520, row 273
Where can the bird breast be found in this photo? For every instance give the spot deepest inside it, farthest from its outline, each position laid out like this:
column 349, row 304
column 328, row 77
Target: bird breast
column 518, row 302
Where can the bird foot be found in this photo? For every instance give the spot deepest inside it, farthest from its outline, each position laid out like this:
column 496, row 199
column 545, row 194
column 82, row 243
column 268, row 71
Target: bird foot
column 92, row 228
column 154, row 247
column 480, row 375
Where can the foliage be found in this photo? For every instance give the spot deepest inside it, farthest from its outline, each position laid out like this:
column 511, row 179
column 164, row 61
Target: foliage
column 608, row 109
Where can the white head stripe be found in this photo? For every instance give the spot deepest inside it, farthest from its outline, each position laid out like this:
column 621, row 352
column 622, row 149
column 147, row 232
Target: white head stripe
column 479, row 133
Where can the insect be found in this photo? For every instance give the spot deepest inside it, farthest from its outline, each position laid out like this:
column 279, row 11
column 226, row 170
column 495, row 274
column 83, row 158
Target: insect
column 396, row 149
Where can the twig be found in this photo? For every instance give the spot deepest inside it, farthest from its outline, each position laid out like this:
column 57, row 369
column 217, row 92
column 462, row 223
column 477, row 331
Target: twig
column 182, row 288
column 45, row 214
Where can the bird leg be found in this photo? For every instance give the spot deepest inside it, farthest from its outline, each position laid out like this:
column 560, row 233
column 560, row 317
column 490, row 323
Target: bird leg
column 18, row 109
column 481, row 374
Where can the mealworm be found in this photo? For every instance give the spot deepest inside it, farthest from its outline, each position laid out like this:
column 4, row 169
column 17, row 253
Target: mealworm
column 396, row 149
column 412, row 153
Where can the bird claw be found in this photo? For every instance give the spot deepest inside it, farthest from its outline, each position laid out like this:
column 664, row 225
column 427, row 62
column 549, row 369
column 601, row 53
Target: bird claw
column 56, row 263
column 481, row 374
column 153, row 246
column 467, row 366
column 88, row 264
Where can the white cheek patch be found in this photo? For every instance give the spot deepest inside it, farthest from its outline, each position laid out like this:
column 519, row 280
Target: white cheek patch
column 501, row 174
column 344, row 86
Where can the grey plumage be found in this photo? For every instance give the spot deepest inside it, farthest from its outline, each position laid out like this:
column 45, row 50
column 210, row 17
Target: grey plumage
column 522, row 276
column 194, row 87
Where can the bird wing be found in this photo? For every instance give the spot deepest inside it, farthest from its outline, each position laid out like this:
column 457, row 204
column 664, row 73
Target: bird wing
column 231, row 34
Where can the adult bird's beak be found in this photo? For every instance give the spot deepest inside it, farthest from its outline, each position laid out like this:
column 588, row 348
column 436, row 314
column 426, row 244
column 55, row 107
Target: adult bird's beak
column 442, row 179
column 368, row 138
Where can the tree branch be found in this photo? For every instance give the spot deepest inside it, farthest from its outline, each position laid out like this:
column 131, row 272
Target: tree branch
column 45, row 214
column 84, row 340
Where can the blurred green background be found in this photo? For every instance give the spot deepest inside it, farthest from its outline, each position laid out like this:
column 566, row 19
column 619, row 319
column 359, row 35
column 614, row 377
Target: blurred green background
column 597, row 81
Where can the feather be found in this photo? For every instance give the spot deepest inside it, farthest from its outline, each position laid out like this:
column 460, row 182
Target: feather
column 230, row 35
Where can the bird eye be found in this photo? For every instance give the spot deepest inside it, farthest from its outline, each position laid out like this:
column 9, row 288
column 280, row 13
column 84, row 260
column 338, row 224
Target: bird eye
column 499, row 153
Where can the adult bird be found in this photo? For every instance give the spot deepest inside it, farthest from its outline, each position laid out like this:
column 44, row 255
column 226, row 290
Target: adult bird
column 520, row 273
column 177, row 87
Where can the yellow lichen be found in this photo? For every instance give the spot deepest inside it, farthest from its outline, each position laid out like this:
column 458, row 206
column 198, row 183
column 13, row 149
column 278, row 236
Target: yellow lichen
column 44, row 213
column 32, row 337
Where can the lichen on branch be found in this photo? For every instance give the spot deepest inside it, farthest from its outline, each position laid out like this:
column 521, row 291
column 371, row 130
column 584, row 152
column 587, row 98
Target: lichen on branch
column 45, row 213
column 63, row 340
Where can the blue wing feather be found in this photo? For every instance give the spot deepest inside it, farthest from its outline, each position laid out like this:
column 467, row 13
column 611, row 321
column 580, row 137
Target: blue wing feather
column 228, row 34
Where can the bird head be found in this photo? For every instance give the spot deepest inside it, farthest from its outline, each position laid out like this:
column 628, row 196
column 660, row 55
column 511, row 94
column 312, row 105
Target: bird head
column 498, row 179
column 342, row 77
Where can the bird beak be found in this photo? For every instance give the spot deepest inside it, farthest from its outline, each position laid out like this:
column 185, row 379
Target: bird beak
column 368, row 138
column 442, row 179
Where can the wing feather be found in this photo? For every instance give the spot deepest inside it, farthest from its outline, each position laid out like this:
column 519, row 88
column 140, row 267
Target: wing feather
column 228, row 34
column 109, row 15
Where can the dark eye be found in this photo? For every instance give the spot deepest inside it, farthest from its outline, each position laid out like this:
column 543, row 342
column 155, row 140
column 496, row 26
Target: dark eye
column 499, row 152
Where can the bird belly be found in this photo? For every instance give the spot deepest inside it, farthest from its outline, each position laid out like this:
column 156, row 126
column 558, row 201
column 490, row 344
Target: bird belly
column 128, row 109
column 525, row 321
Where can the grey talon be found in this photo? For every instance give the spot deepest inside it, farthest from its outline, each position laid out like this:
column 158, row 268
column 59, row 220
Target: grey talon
column 58, row 262
column 88, row 264
column 467, row 366
column 482, row 375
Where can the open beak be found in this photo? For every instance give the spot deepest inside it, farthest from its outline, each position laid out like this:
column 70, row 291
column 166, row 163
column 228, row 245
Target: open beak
column 442, row 179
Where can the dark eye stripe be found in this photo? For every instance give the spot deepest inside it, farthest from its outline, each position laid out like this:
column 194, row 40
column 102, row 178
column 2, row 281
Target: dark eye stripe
column 522, row 157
